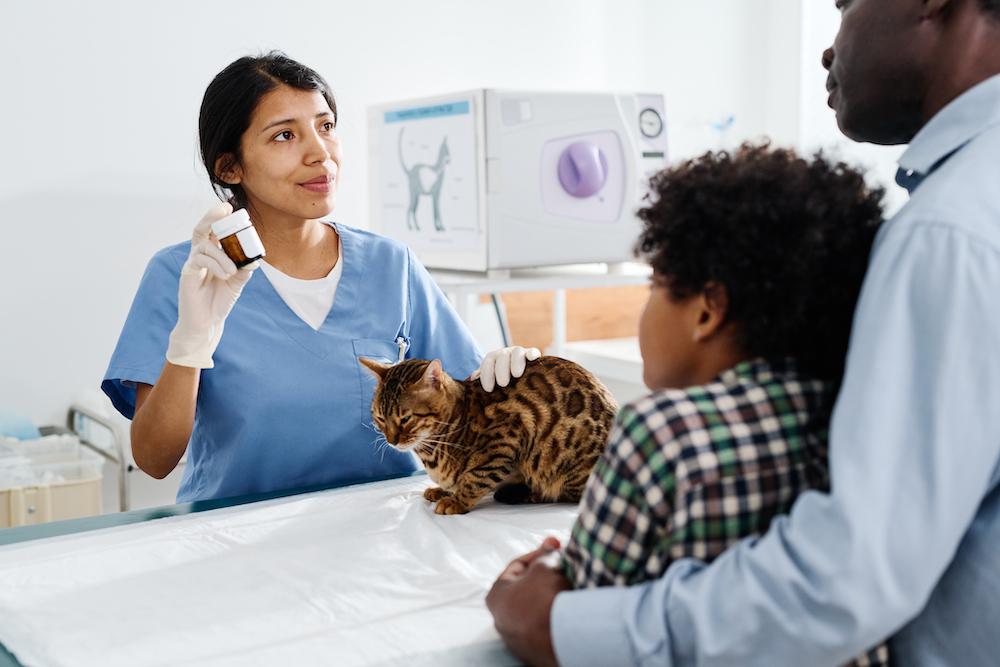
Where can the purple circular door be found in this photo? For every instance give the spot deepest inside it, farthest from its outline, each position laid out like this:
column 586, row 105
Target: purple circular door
column 583, row 169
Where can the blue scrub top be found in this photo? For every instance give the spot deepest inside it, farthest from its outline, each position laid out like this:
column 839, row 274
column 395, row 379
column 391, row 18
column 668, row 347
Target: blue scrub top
column 287, row 406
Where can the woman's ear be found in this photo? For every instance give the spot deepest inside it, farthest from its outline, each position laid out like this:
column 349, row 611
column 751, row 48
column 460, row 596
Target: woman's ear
column 227, row 169
column 713, row 309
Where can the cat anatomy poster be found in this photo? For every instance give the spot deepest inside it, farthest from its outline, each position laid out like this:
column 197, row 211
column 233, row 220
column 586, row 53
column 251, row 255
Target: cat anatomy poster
column 427, row 175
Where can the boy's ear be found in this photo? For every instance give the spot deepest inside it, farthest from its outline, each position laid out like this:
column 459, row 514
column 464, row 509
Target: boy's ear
column 433, row 376
column 378, row 369
column 713, row 303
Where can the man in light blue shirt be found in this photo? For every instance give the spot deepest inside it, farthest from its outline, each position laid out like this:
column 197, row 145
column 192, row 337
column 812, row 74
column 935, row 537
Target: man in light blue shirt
column 907, row 542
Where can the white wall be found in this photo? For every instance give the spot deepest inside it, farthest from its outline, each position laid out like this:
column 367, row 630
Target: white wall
column 98, row 165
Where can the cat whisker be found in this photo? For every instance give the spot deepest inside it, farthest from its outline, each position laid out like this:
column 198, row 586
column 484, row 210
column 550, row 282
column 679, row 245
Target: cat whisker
column 455, row 430
column 440, row 421
column 445, row 443
column 444, row 434
column 382, row 447
column 436, row 437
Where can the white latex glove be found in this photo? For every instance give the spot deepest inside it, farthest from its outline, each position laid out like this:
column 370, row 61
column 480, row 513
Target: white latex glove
column 209, row 286
column 499, row 366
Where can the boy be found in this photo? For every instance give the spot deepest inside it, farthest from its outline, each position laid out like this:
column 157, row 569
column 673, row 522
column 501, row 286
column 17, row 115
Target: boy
column 758, row 259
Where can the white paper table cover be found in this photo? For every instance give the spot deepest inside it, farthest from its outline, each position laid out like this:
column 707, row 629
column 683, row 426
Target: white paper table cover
column 364, row 575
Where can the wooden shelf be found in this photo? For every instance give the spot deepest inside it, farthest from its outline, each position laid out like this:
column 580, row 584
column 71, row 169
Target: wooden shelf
column 604, row 305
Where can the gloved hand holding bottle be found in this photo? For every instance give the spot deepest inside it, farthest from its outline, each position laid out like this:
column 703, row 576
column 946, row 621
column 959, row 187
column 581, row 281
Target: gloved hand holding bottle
column 210, row 283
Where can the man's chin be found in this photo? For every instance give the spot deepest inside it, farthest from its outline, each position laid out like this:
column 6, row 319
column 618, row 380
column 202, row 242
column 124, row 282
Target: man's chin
column 848, row 131
column 851, row 129
column 880, row 134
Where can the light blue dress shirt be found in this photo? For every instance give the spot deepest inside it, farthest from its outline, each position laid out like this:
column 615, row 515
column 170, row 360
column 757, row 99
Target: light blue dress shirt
column 287, row 406
column 907, row 542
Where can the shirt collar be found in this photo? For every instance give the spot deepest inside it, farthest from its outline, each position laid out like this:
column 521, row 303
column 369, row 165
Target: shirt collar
column 760, row 370
column 960, row 121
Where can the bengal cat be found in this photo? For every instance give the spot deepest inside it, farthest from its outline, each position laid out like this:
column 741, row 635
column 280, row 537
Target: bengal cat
column 535, row 440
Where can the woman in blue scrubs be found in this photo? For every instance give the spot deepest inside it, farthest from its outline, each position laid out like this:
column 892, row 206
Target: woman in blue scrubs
column 254, row 373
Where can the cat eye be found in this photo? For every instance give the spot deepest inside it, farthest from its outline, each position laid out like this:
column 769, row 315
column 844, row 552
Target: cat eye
column 404, row 420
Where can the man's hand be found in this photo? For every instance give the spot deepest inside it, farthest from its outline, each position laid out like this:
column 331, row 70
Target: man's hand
column 521, row 601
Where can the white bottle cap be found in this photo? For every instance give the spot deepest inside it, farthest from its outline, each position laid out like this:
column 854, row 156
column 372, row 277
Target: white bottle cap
column 231, row 224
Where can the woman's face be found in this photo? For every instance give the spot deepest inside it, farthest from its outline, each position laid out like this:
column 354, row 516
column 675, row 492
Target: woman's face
column 291, row 156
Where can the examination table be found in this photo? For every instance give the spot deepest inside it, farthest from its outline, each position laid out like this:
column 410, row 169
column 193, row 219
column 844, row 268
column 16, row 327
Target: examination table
column 362, row 574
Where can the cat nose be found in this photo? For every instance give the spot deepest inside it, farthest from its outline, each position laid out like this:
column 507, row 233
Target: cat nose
column 392, row 435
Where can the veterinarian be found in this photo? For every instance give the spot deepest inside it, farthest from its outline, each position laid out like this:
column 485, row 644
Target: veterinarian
column 254, row 372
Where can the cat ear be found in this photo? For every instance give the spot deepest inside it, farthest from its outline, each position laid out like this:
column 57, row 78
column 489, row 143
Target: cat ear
column 377, row 369
column 434, row 375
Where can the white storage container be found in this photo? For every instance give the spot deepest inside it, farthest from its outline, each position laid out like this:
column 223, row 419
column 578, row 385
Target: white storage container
column 49, row 479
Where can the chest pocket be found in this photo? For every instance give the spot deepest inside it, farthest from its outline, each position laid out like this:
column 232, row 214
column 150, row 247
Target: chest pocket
column 381, row 350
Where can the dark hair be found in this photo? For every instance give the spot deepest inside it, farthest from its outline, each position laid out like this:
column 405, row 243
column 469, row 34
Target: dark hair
column 991, row 7
column 788, row 239
column 230, row 100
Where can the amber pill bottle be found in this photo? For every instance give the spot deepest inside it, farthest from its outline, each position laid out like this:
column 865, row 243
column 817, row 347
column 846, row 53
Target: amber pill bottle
column 238, row 238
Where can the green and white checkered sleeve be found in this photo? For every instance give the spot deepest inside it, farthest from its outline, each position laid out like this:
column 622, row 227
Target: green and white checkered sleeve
column 615, row 536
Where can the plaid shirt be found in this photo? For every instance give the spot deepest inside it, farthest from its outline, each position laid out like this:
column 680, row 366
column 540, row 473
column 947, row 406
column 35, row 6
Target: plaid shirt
column 689, row 473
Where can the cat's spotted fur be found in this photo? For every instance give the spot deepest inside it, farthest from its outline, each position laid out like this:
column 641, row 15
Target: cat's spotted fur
column 537, row 439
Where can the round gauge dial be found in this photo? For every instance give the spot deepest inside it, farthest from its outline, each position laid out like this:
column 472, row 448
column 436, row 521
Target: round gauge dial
column 650, row 123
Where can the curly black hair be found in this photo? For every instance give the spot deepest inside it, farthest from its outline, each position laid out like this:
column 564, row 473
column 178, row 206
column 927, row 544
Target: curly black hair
column 787, row 237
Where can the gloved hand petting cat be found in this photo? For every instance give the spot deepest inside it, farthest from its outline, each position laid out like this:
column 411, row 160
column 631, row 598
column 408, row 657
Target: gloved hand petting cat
column 536, row 440
column 499, row 366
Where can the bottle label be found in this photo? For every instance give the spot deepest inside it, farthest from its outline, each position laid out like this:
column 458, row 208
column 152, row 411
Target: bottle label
column 252, row 247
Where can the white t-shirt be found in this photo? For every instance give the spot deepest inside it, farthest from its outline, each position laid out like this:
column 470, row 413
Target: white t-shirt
column 311, row 300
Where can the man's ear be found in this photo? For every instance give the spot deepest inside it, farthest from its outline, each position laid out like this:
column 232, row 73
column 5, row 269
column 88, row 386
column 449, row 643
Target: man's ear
column 713, row 311
column 433, row 376
column 378, row 369
column 227, row 169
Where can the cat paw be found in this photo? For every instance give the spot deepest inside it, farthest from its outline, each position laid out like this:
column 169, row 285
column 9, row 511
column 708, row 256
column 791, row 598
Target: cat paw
column 448, row 505
column 434, row 493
